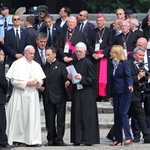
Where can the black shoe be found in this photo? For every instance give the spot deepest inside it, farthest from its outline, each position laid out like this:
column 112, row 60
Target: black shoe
column 8, row 146
column 112, row 138
column 51, row 143
column 136, row 140
column 76, row 144
column 60, row 143
column 35, row 145
column 88, row 144
column 18, row 144
column 147, row 139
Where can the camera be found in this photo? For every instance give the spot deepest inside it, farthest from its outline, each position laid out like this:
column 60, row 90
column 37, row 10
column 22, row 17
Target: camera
column 143, row 82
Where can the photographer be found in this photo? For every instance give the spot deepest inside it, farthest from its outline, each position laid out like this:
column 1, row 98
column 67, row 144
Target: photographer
column 39, row 12
column 138, row 74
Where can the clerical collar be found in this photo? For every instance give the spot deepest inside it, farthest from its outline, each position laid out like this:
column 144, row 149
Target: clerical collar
column 81, row 58
column 101, row 28
column 70, row 30
column 126, row 33
column 53, row 61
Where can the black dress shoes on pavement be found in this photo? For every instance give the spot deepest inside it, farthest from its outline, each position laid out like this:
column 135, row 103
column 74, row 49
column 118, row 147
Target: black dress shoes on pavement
column 60, row 143
column 34, row 145
column 50, row 143
column 76, row 144
column 7, row 146
column 136, row 140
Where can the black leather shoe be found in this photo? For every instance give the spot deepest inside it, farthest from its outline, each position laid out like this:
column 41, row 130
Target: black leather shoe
column 60, row 143
column 50, row 143
column 76, row 144
column 147, row 139
column 8, row 146
column 88, row 144
column 35, row 145
column 136, row 140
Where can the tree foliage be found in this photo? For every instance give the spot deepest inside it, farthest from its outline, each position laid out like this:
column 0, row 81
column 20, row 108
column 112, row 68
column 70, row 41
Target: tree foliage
column 93, row 6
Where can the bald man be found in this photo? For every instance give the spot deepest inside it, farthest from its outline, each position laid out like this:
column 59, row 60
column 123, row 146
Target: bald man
column 84, row 26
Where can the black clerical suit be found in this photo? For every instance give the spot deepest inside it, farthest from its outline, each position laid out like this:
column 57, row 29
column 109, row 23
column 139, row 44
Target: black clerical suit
column 3, row 92
column 55, row 100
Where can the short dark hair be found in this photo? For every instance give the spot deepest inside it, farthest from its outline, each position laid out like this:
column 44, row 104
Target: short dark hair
column 30, row 19
column 67, row 10
column 52, row 48
column 48, row 16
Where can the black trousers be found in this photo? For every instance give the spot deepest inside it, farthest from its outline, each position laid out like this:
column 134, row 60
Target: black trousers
column 55, row 128
column 3, row 136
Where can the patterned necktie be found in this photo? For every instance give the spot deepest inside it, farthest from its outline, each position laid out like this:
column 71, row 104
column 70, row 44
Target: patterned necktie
column 42, row 58
column 17, row 39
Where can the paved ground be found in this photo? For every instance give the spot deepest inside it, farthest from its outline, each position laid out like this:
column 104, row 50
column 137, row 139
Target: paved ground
column 103, row 146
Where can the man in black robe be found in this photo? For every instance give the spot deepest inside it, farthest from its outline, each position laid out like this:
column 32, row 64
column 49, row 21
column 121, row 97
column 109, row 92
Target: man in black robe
column 84, row 123
column 99, row 45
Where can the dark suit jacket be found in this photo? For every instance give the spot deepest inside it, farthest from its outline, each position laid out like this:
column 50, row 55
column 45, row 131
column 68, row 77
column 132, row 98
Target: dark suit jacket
column 58, row 22
column 136, row 94
column 37, row 57
column 10, row 44
column 33, row 34
column 130, row 41
column 86, row 30
column 146, row 32
column 55, row 83
column 122, row 78
column 3, row 85
column 55, row 33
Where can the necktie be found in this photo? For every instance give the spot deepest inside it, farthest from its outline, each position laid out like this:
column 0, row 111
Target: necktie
column 42, row 58
column 17, row 38
column 81, row 27
column 5, row 25
column 49, row 37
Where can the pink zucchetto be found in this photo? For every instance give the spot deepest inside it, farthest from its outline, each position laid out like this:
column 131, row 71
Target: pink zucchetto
column 100, row 15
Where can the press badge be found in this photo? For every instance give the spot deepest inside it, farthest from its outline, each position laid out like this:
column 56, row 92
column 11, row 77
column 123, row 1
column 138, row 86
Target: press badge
column 79, row 86
column 125, row 52
column 66, row 48
column 97, row 47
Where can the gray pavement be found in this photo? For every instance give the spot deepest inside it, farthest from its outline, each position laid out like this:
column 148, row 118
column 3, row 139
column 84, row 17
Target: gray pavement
column 105, row 122
column 104, row 144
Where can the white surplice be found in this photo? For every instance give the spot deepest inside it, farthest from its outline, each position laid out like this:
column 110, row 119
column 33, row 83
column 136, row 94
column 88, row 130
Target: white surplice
column 23, row 110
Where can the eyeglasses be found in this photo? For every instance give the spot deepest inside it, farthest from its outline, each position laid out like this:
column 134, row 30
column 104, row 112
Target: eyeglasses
column 16, row 19
column 119, row 14
column 80, row 15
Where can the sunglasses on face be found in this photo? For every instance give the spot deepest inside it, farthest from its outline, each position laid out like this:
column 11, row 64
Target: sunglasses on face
column 119, row 14
column 16, row 19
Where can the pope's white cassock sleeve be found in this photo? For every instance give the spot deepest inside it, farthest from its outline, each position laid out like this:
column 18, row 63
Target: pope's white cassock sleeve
column 23, row 110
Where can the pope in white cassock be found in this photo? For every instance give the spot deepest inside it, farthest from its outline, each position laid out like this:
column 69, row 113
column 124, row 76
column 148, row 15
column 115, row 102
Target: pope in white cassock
column 23, row 110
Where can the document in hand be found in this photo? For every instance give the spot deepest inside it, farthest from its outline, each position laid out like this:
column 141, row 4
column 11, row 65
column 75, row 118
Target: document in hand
column 71, row 70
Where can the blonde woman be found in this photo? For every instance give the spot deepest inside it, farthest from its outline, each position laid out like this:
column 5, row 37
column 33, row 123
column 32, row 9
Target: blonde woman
column 122, row 86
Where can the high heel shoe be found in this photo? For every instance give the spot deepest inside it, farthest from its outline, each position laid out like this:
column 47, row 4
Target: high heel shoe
column 116, row 143
column 128, row 142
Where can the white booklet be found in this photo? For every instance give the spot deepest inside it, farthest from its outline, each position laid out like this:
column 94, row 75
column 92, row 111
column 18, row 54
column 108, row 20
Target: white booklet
column 71, row 70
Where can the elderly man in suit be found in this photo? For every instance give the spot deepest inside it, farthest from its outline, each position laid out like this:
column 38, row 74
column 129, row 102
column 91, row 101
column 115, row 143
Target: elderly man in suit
column 55, row 98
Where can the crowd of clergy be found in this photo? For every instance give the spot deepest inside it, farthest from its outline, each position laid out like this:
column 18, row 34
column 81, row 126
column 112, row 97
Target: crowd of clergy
column 72, row 59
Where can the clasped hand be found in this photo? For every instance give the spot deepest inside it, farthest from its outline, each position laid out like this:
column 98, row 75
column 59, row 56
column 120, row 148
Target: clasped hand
column 32, row 83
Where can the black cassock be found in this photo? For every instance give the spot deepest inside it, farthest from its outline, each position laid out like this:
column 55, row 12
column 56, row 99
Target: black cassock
column 84, row 117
